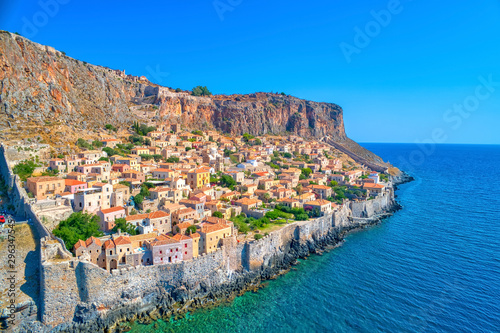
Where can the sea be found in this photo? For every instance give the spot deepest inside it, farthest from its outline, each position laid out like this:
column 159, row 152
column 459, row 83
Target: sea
column 433, row 266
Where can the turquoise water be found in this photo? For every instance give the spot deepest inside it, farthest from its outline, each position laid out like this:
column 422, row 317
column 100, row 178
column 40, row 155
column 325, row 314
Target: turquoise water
column 432, row 267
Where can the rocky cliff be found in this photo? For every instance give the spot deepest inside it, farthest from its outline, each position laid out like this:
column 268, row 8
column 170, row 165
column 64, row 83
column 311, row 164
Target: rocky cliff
column 42, row 86
column 46, row 94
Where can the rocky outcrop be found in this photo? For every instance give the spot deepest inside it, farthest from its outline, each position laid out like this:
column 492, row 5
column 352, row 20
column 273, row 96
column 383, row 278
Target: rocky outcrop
column 48, row 95
column 45, row 87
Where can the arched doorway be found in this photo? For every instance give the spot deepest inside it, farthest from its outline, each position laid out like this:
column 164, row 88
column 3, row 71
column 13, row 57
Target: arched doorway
column 113, row 264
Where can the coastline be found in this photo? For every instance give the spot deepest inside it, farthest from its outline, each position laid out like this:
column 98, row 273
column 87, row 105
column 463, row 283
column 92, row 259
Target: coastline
column 174, row 301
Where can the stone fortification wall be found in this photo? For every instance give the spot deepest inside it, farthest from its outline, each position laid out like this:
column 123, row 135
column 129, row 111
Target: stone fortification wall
column 76, row 295
column 82, row 291
column 370, row 208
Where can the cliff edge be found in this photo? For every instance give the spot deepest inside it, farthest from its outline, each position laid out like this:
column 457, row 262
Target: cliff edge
column 56, row 98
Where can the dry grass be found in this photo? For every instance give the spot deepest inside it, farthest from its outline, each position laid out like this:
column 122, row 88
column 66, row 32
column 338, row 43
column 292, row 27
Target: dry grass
column 26, row 266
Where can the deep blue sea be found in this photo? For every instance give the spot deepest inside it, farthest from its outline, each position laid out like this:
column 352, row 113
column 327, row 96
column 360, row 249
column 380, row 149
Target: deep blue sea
column 432, row 267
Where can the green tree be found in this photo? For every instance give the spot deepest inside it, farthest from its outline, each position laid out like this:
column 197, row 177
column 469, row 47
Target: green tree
column 173, row 159
column 227, row 181
column 306, row 172
column 191, row 230
column 138, row 199
column 25, row 169
column 110, row 127
column 78, row 226
column 201, row 91
column 247, row 137
column 83, row 144
column 218, row 214
column 97, row 144
column 258, row 236
column 124, row 226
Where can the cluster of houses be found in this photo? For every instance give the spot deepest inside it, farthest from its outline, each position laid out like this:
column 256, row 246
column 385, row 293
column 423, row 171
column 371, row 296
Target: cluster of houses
column 181, row 194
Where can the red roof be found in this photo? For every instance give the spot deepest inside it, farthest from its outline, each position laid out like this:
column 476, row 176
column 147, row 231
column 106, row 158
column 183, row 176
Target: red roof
column 112, row 210
column 122, row 240
column 71, row 182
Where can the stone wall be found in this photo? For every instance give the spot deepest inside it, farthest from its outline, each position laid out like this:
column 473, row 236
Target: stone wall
column 370, row 208
column 67, row 283
column 82, row 291
column 76, row 295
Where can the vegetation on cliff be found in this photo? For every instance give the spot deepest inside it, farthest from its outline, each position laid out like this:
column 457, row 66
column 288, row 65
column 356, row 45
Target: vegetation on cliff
column 201, row 91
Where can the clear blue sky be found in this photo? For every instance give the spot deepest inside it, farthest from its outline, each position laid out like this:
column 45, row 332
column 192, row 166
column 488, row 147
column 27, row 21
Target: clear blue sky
column 397, row 87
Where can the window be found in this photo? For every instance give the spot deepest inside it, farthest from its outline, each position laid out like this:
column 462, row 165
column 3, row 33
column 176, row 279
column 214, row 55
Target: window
column 121, row 250
column 171, row 250
column 185, row 245
column 185, row 252
column 160, row 252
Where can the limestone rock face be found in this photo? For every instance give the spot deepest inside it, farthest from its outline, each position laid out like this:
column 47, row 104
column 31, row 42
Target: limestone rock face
column 40, row 86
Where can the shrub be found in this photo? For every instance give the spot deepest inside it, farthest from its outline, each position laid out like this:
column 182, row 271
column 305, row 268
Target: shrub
column 258, row 236
column 138, row 199
column 125, row 226
column 25, row 169
column 97, row 144
column 191, row 229
column 78, row 226
column 142, row 129
column 242, row 227
column 201, row 91
column 110, row 127
column 217, row 214
column 83, row 144
column 173, row 159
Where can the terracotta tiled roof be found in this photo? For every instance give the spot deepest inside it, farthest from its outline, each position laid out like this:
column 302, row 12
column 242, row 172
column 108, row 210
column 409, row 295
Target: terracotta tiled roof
column 370, row 185
column 163, row 170
column 184, row 225
column 215, row 220
column 319, row 202
column 136, row 217
column 93, row 239
column 141, row 237
column 112, row 210
column 122, row 240
column 179, row 237
column 158, row 214
column 165, row 241
column 44, row 179
column 79, row 244
column 71, row 182
column 209, row 227
column 246, row 201
column 160, row 189
column 109, row 244
column 319, row 187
